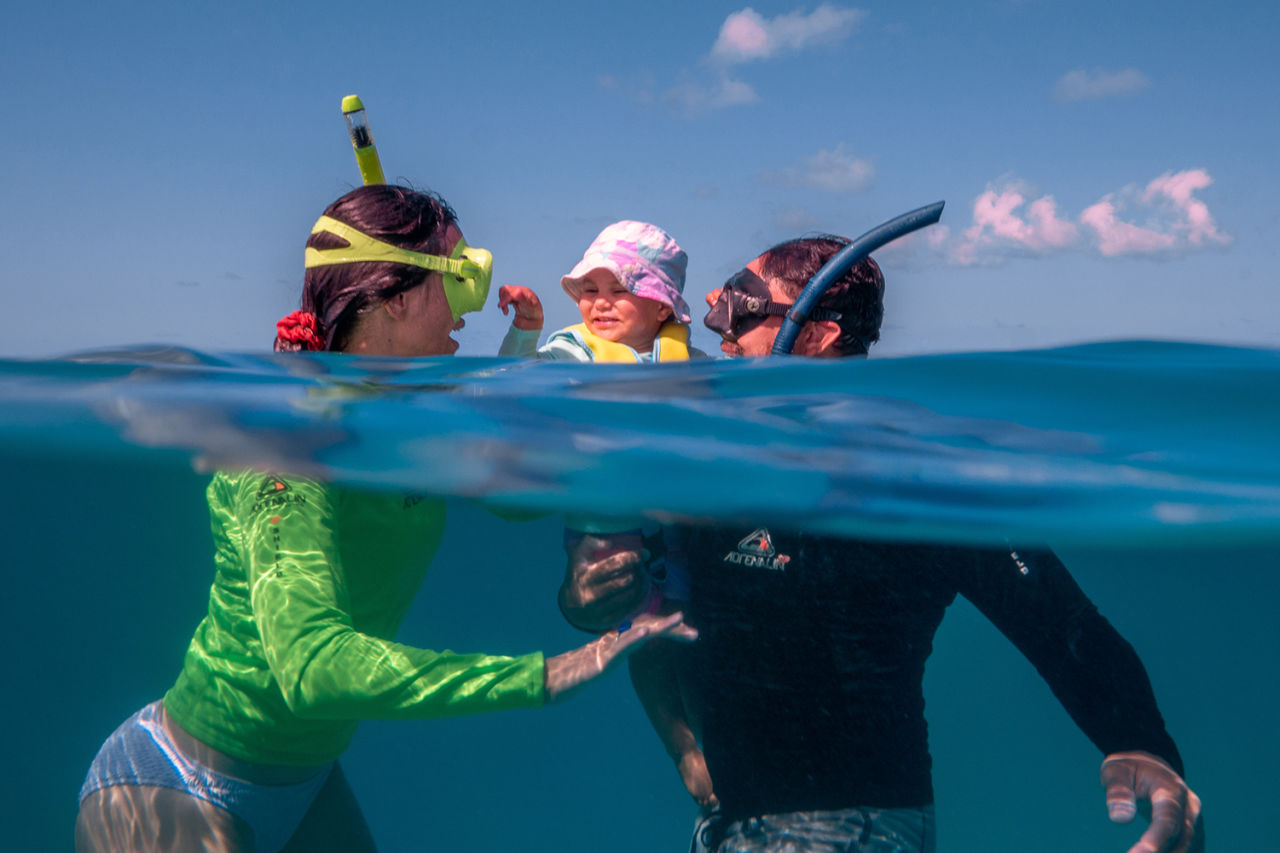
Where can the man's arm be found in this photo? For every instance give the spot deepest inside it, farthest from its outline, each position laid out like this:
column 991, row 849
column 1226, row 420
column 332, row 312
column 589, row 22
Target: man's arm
column 604, row 583
column 657, row 684
column 1099, row 679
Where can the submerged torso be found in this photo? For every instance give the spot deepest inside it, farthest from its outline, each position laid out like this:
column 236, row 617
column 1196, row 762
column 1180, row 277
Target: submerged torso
column 807, row 679
column 311, row 585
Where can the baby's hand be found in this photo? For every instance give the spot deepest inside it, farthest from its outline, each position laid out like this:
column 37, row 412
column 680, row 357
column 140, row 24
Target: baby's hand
column 525, row 301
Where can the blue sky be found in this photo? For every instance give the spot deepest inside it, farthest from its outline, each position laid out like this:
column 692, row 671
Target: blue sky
column 1109, row 168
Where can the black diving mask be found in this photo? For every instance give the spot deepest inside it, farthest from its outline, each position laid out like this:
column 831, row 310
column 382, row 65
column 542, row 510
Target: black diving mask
column 744, row 303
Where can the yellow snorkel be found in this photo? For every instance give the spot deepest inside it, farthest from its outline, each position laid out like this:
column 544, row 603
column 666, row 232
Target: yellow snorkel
column 362, row 141
column 465, row 274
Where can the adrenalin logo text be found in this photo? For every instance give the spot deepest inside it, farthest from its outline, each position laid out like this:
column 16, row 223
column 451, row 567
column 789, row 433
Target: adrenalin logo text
column 275, row 492
column 756, row 551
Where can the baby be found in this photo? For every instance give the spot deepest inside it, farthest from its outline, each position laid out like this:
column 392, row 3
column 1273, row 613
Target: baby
column 628, row 287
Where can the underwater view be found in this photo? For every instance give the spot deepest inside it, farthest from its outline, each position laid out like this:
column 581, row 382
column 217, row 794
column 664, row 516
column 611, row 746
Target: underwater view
column 1150, row 468
column 475, row 427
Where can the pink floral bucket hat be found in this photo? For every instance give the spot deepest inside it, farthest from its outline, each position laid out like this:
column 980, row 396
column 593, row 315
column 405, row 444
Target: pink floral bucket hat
column 644, row 259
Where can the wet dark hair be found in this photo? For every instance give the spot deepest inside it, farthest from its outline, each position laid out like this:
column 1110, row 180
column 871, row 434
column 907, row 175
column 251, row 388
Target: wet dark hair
column 858, row 295
column 336, row 295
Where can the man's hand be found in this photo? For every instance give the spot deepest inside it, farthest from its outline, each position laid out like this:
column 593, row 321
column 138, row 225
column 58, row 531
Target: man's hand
column 526, row 303
column 697, row 779
column 604, row 581
column 1141, row 781
column 566, row 673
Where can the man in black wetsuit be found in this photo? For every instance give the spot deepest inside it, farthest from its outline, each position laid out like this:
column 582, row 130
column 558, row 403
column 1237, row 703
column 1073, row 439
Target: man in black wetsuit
column 806, row 685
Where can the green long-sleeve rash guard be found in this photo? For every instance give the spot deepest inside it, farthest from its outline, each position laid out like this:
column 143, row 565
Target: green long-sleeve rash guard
column 312, row 583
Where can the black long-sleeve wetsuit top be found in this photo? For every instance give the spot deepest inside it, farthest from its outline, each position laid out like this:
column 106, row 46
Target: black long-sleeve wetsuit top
column 808, row 674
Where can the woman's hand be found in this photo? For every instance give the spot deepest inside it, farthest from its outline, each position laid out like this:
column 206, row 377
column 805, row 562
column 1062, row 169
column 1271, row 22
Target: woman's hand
column 568, row 672
column 526, row 303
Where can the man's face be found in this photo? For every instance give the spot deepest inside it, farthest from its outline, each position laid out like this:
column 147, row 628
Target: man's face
column 756, row 341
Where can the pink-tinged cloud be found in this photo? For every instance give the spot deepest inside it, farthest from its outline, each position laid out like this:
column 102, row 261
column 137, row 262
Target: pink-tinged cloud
column 742, row 36
column 1176, row 218
column 1082, row 85
column 1047, row 229
column 937, row 236
column 1195, row 221
column 996, row 222
column 1161, row 219
column 747, row 35
column 1116, row 237
column 1042, row 229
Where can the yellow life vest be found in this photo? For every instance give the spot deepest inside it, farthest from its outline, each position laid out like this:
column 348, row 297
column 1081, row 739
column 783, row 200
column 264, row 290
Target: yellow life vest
column 672, row 344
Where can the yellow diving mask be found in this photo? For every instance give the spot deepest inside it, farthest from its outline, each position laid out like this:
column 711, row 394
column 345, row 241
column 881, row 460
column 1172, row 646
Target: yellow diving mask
column 466, row 273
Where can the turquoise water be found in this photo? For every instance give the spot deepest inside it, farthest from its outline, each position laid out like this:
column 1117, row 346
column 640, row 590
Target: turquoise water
column 1151, row 467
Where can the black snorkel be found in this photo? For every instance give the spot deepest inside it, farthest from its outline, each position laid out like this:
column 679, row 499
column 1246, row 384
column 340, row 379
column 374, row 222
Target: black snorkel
column 842, row 262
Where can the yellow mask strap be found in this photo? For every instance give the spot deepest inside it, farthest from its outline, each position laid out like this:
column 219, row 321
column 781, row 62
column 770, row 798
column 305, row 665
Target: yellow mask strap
column 365, row 248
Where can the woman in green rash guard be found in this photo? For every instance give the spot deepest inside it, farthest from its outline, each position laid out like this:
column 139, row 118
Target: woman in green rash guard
column 312, row 583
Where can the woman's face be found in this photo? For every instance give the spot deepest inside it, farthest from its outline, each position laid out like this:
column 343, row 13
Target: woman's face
column 425, row 325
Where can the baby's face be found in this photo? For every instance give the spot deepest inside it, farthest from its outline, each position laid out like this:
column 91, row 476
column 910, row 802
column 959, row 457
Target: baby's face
column 616, row 314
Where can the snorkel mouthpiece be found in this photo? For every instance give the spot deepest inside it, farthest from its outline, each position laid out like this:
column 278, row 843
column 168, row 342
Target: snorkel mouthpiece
column 362, row 141
column 845, row 260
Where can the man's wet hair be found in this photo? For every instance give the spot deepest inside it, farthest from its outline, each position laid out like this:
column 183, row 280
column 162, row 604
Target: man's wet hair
column 858, row 295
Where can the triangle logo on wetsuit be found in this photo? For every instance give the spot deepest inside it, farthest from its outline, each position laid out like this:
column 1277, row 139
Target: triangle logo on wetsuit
column 759, row 543
column 272, row 485
column 756, row 550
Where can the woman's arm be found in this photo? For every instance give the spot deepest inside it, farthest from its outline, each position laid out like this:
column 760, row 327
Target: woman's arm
column 325, row 667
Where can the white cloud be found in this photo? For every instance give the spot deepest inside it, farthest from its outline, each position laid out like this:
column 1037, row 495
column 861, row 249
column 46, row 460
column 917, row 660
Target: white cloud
column 636, row 88
column 1082, row 85
column 836, row 171
column 747, row 35
column 690, row 98
column 744, row 36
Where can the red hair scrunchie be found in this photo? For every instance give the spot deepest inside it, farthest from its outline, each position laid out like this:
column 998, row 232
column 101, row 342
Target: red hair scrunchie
column 301, row 327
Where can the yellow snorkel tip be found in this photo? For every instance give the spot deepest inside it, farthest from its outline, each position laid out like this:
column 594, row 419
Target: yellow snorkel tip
column 362, row 141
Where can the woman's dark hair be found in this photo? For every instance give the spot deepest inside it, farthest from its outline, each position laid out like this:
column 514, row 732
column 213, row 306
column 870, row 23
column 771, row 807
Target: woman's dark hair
column 335, row 295
column 858, row 295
